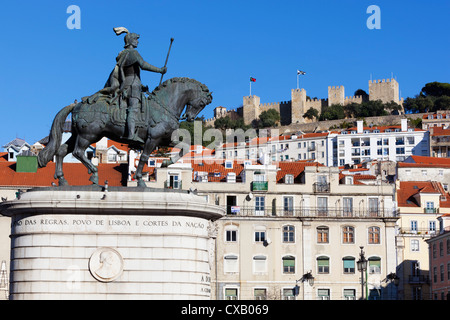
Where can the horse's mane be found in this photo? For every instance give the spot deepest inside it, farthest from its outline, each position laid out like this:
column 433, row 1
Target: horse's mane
column 182, row 80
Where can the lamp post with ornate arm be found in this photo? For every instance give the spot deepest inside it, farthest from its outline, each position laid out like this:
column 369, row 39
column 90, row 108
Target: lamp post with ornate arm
column 362, row 267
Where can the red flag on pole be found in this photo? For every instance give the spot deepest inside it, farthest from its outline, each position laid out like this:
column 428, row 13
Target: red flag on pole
column 252, row 79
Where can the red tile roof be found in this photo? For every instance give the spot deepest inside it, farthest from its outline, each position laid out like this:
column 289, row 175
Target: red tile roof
column 422, row 161
column 294, row 168
column 75, row 173
column 439, row 131
column 408, row 189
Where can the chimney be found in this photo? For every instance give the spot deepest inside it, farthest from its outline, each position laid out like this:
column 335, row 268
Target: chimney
column 359, row 126
column 404, row 124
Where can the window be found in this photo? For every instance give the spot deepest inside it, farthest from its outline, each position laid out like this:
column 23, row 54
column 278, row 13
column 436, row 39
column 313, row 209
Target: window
column 415, row 245
column 322, row 234
column 348, row 207
column 289, row 179
column 413, row 226
column 288, row 206
column 174, row 181
column 288, row 264
column 231, row 235
column 260, row 234
column 323, row 294
column 374, row 265
column 259, row 206
column 260, row 294
column 288, row 294
column 323, row 264
column 288, row 234
column 259, row 264
column 230, row 264
column 373, row 207
column 349, row 264
column 228, row 164
column 322, row 206
column 374, row 235
column 348, row 234
column 432, row 226
column 231, row 294
column 349, row 294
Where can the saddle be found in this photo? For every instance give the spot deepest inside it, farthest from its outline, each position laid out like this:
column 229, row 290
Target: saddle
column 150, row 113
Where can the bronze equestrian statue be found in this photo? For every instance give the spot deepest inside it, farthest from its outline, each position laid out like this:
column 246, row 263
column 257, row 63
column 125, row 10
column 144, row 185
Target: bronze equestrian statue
column 126, row 112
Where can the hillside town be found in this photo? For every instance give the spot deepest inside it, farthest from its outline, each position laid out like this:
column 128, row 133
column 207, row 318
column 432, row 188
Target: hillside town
column 361, row 212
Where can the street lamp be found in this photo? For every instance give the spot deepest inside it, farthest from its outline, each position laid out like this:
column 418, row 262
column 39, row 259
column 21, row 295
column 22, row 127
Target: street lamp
column 362, row 267
column 306, row 277
column 393, row 278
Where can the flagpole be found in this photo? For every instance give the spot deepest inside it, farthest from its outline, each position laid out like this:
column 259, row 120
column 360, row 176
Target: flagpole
column 297, row 80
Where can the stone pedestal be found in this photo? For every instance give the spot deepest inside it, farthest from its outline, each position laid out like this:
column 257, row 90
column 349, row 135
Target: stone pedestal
column 121, row 243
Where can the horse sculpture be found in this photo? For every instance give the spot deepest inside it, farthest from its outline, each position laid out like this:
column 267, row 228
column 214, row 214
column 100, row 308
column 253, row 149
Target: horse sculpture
column 160, row 115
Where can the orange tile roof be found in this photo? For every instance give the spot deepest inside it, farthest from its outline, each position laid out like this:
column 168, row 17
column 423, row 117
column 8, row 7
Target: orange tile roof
column 216, row 169
column 75, row 173
column 294, row 168
column 422, row 161
column 434, row 116
column 408, row 189
column 440, row 131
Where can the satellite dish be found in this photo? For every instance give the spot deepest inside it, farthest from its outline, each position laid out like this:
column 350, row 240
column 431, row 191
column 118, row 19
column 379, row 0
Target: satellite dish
column 250, row 196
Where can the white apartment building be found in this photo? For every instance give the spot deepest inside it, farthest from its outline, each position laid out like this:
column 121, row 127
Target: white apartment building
column 387, row 143
column 350, row 146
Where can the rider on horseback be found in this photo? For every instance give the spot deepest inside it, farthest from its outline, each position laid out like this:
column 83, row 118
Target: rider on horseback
column 125, row 79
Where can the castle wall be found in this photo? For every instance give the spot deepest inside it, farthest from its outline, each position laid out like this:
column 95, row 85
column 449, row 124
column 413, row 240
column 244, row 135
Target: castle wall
column 291, row 112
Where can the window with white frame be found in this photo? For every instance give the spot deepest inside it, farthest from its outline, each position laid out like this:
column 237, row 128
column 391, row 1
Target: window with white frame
column 231, row 293
column 374, row 265
column 288, row 234
column 288, row 264
column 260, row 234
column 231, row 233
column 230, row 263
column 414, row 245
column 259, row 264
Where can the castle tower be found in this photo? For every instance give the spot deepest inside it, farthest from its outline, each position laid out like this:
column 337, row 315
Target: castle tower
column 220, row 112
column 386, row 90
column 250, row 108
column 298, row 105
column 336, row 95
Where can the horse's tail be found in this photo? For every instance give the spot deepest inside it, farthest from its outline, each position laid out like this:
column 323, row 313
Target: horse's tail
column 54, row 141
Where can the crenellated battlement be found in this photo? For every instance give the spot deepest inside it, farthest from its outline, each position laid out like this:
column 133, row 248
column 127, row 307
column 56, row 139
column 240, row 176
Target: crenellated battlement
column 292, row 111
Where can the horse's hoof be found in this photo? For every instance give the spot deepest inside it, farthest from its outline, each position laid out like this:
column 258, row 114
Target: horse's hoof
column 94, row 179
column 62, row 182
column 141, row 184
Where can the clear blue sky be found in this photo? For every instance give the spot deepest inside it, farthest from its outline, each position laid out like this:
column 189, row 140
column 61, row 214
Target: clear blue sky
column 46, row 66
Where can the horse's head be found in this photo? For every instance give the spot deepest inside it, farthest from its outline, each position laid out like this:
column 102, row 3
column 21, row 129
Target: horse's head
column 199, row 99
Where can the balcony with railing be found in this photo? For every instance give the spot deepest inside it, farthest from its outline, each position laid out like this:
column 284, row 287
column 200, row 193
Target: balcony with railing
column 418, row 279
column 310, row 212
column 320, row 187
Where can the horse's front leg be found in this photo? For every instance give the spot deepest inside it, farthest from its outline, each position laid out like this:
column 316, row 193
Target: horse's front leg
column 150, row 145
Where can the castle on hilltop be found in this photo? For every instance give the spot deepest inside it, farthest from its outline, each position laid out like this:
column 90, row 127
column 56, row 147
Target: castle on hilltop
column 386, row 90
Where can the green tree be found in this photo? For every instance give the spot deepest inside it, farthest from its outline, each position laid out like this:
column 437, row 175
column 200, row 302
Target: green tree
column 419, row 104
column 311, row 114
column 442, row 103
column 333, row 112
column 269, row 118
column 436, row 89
